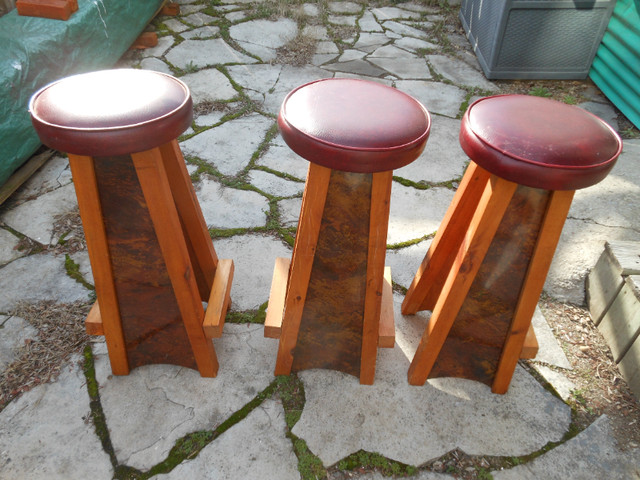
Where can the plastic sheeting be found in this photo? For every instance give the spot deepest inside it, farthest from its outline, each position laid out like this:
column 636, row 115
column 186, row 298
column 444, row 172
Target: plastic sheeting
column 616, row 68
column 37, row 51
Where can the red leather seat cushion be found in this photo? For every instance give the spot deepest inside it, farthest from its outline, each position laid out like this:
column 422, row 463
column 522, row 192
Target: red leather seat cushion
column 539, row 142
column 354, row 125
column 111, row 112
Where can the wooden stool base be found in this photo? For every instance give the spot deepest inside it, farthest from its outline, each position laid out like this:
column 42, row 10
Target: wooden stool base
column 153, row 261
column 331, row 307
column 482, row 278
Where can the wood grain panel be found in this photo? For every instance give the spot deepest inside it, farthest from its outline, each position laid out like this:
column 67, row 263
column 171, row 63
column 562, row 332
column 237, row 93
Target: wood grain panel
column 151, row 320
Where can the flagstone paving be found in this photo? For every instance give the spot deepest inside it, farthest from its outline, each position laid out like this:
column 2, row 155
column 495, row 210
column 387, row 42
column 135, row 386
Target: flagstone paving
column 164, row 421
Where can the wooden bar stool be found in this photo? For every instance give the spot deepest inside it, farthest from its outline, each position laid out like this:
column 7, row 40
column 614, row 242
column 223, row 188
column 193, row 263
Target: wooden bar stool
column 331, row 305
column 485, row 269
column 151, row 253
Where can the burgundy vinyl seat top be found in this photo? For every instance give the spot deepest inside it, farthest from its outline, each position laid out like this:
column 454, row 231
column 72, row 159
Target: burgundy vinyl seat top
column 538, row 142
column 111, row 112
column 354, row 125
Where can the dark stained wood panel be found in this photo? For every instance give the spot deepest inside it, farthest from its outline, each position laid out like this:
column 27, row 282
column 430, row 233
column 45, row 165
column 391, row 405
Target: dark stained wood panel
column 474, row 344
column 151, row 319
column 330, row 334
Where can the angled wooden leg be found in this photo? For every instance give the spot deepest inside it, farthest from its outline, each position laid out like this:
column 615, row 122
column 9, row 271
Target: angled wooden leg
column 201, row 249
column 313, row 202
column 430, row 277
column 84, row 177
column 478, row 237
column 548, row 237
column 378, row 226
column 156, row 189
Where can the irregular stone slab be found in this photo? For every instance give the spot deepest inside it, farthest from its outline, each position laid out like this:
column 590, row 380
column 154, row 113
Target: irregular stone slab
column 394, row 419
column 357, row 67
column 290, row 211
column 405, row 30
column 347, row 20
column 415, row 213
column 550, row 351
column 274, row 185
column 82, row 259
column 229, row 147
column 404, row 262
column 460, row 73
column 263, row 37
column 590, row 455
column 46, row 433
column 8, row 247
column 254, row 448
column 209, row 119
column 327, row 47
column 54, row 174
column 414, row 44
column 384, row 81
column 236, row 16
column 436, row 97
column 368, row 23
column 404, row 67
column 570, row 265
column 35, row 218
column 281, row 158
column 368, row 42
column 155, row 64
column 204, row 53
column 391, row 51
column 443, row 159
column 387, row 13
column 37, row 278
column 198, row 19
column 318, row 32
column 424, row 475
column 601, row 203
column 202, row 32
column 153, row 406
column 311, row 9
column 208, row 86
column 319, row 59
column 225, row 207
column 349, row 55
column 260, row 78
column 164, row 44
column 254, row 256
column 560, row 383
column 13, row 332
column 345, row 7
column 188, row 9
column 175, row 25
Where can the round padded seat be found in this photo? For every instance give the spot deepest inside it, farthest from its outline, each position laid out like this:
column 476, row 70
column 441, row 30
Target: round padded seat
column 538, row 142
column 354, row 125
column 111, row 112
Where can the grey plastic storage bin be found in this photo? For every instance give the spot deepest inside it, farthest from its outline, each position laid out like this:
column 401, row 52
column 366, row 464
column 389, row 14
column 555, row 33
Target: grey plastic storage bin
column 543, row 39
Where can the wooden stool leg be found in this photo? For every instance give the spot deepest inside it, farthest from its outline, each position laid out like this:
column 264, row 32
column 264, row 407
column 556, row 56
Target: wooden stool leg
column 482, row 228
column 313, row 201
column 430, row 277
column 156, row 189
column 548, row 237
column 202, row 252
column 84, row 176
column 378, row 226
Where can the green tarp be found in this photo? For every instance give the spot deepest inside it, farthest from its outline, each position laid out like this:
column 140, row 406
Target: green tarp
column 36, row 51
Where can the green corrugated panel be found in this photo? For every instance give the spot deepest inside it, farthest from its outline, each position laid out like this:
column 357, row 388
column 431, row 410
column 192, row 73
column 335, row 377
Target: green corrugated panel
column 616, row 68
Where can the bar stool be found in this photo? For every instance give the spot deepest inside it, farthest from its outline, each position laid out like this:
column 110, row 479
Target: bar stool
column 485, row 269
column 151, row 253
column 331, row 305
